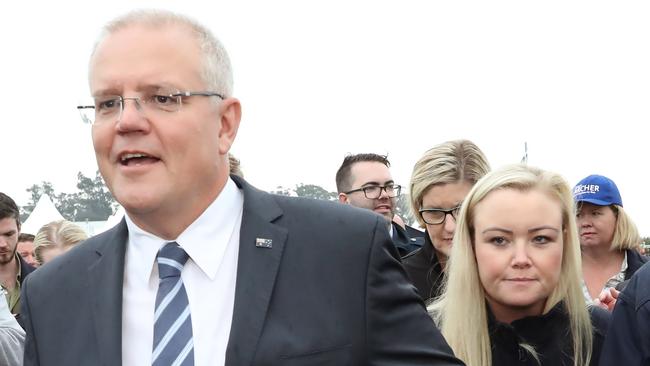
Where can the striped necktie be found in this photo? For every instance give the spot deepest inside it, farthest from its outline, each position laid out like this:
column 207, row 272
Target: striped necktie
column 172, row 330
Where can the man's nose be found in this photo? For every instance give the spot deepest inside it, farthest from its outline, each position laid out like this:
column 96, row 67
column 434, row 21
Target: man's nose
column 132, row 116
column 383, row 193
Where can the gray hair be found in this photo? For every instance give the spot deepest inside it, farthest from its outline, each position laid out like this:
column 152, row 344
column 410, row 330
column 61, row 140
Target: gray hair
column 217, row 70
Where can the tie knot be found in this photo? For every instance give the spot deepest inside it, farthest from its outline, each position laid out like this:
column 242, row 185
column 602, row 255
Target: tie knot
column 171, row 258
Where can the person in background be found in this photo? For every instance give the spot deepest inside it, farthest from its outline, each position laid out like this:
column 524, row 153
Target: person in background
column 205, row 269
column 13, row 268
column 12, row 337
column 26, row 249
column 609, row 240
column 56, row 238
column 513, row 295
column 365, row 181
column 440, row 181
column 628, row 337
column 235, row 166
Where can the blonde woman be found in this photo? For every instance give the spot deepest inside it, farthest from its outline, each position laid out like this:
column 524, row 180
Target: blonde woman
column 56, row 238
column 440, row 181
column 513, row 295
column 609, row 239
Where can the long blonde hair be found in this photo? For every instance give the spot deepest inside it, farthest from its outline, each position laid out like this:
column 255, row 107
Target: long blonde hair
column 461, row 311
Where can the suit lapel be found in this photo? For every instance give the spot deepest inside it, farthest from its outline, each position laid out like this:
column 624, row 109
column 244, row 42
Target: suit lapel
column 105, row 278
column 260, row 253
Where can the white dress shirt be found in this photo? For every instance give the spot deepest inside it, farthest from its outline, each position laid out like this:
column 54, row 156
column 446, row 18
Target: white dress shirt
column 209, row 276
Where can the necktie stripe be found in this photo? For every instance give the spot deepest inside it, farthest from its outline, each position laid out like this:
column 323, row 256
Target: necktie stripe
column 172, row 338
column 189, row 347
column 168, row 299
column 171, row 263
column 171, row 332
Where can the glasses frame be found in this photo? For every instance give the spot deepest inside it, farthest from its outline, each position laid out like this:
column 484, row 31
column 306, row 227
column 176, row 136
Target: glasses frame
column 445, row 212
column 140, row 102
column 396, row 188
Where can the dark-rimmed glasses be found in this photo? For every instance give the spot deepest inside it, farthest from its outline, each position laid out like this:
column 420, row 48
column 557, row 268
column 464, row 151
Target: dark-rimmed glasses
column 374, row 192
column 109, row 108
column 436, row 216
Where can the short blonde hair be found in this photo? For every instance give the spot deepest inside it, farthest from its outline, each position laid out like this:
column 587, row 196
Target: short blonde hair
column 626, row 234
column 62, row 233
column 449, row 162
column 461, row 311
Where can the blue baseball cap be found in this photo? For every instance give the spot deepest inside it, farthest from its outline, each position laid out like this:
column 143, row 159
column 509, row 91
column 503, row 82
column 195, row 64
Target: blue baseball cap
column 598, row 190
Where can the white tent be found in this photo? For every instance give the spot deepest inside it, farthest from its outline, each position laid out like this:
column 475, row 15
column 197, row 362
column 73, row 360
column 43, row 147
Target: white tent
column 113, row 220
column 43, row 213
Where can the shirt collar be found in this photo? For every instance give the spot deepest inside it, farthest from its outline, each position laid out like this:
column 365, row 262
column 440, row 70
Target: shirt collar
column 204, row 240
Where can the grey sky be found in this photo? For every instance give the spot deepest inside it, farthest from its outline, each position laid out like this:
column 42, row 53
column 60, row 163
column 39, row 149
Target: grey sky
column 320, row 79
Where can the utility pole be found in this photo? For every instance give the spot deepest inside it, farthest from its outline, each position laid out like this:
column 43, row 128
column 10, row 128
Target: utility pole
column 524, row 159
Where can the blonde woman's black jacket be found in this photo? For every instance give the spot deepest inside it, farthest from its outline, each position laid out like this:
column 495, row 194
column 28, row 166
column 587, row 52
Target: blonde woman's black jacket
column 424, row 270
column 548, row 334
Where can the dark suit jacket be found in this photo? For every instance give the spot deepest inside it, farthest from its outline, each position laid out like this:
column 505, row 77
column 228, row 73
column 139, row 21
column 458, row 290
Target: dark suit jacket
column 318, row 296
column 403, row 240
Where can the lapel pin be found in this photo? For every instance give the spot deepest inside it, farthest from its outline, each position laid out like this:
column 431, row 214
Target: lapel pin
column 263, row 243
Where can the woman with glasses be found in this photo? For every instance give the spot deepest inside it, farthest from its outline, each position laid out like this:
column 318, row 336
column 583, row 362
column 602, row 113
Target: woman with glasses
column 513, row 293
column 440, row 181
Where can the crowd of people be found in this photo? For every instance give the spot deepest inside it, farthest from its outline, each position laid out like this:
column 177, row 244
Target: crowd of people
column 506, row 266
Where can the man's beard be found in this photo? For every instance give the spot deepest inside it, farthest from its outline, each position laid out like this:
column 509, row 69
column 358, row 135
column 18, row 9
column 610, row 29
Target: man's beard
column 5, row 261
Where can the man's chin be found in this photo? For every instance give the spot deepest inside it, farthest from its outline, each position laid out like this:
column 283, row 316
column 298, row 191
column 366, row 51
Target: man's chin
column 6, row 259
column 388, row 216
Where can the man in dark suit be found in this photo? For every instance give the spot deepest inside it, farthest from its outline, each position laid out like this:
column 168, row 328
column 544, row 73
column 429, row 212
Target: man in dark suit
column 205, row 269
column 365, row 181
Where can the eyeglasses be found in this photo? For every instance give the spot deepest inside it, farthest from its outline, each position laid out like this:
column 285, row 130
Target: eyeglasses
column 436, row 216
column 374, row 192
column 109, row 108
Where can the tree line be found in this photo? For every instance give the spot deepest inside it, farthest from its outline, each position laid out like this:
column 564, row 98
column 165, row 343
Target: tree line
column 94, row 202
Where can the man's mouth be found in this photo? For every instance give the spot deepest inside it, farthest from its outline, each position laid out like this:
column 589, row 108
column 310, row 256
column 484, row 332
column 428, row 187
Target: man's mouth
column 138, row 158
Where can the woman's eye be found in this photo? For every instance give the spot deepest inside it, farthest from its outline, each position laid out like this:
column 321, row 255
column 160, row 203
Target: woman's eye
column 498, row 240
column 541, row 239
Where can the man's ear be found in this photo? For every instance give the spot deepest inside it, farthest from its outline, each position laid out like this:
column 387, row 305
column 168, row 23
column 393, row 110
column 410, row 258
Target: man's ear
column 230, row 109
column 343, row 198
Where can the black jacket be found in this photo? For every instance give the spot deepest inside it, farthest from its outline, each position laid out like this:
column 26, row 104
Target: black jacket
column 548, row 334
column 628, row 342
column 635, row 260
column 424, row 270
column 407, row 240
column 25, row 269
